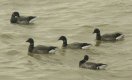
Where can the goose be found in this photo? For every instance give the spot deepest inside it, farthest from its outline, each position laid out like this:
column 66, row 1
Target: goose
column 108, row 37
column 39, row 49
column 91, row 65
column 75, row 45
column 16, row 18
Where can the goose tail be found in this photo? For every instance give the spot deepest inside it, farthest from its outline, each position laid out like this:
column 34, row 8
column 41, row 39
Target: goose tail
column 31, row 17
column 86, row 45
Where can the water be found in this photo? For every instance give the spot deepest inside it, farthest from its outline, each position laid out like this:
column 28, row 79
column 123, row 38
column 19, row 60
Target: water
column 75, row 19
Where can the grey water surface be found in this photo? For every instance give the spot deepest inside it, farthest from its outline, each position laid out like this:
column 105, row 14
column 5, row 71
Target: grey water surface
column 75, row 19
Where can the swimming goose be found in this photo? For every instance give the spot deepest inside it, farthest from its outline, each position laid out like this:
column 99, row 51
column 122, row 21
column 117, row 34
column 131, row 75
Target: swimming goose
column 75, row 45
column 16, row 18
column 40, row 49
column 90, row 65
column 108, row 37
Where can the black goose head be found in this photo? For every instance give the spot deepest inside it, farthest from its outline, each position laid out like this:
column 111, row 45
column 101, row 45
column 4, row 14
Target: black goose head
column 86, row 57
column 15, row 14
column 62, row 38
column 30, row 40
column 14, row 17
column 31, row 46
column 98, row 35
column 96, row 30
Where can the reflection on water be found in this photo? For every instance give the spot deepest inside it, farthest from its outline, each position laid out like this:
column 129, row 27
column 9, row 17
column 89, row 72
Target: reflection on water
column 98, row 42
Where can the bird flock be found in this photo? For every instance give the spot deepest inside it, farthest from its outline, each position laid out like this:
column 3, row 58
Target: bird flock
column 16, row 18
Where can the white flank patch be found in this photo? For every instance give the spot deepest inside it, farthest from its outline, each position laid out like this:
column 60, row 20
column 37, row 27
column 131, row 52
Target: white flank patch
column 52, row 51
column 32, row 20
column 102, row 67
column 120, row 37
column 86, row 47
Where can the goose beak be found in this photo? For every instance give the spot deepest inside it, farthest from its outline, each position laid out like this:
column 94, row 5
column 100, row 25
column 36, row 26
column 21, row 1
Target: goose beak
column 27, row 41
column 59, row 39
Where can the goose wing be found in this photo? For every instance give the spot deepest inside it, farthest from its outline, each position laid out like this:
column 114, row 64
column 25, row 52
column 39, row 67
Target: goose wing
column 24, row 20
column 108, row 37
column 43, row 49
column 77, row 45
column 112, row 36
column 88, row 65
column 95, row 66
